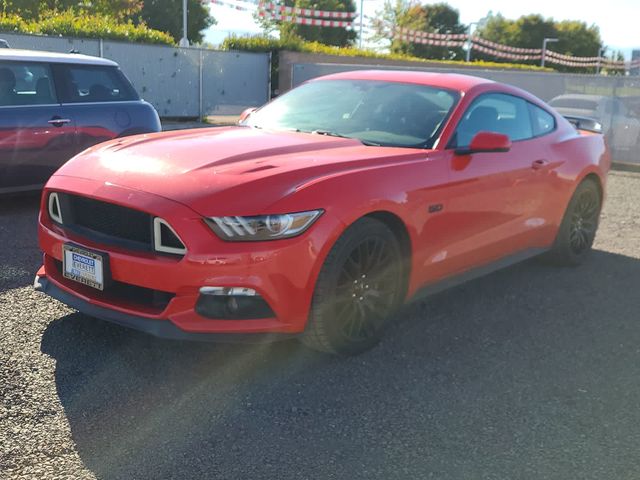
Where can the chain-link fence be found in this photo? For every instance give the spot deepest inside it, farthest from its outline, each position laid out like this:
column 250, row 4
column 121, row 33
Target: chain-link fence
column 614, row 101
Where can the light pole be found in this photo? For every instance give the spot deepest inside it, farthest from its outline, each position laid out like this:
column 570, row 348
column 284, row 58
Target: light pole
column 184, row 41
column 469, row 42
column 544, row 48
column 361, row 17
column 601, row 52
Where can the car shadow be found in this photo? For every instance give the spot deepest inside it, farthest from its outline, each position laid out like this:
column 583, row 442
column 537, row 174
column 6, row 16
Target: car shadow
column 20, row 256
column 488, row 380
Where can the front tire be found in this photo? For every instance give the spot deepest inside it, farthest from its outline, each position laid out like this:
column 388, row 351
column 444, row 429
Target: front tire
column 360, row 285
column 579, row 225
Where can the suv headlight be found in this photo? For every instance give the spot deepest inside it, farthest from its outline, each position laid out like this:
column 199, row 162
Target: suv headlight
column 262, row 227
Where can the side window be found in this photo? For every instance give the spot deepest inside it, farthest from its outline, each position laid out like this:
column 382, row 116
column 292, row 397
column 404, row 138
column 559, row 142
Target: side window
column 26, row 83
column 543, row 121
column 94, row 83
column 494, row 112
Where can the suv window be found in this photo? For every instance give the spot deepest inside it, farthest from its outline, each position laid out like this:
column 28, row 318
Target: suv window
column 25, row 83
column 494, row 112
column 543, row 121
column 94, row 83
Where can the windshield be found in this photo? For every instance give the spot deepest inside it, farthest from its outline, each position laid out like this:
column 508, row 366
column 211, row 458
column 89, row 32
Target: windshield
column 374, row 112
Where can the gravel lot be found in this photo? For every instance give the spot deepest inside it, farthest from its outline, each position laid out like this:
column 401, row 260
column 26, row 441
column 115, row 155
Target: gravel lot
column 530, row 373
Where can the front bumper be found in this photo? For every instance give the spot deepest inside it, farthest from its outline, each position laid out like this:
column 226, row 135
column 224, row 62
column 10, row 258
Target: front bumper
column 158, row 328
column 282, row 272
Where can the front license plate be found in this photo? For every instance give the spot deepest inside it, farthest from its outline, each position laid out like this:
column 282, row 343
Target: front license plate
column 83, row 266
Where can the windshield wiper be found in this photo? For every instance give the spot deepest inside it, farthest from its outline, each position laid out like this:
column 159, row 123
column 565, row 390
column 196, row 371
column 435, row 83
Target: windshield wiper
column 328, row 133
column 334, row 134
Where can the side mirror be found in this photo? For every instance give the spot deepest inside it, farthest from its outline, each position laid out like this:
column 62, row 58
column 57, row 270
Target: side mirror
column 486, row 142
column 245, row 114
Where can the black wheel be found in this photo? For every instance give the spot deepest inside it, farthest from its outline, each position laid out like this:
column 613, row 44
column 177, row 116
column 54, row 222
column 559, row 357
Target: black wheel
column 360, row 285
column 579, row 225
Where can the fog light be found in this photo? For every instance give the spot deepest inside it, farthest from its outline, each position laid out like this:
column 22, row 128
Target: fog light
column 232, row 303
column 228, row 291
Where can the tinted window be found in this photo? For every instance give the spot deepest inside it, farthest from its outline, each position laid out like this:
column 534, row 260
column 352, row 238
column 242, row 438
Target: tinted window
column 95, row 84
column 25, row 84
column 543, row 121
column 494, row 112
column 374, row 112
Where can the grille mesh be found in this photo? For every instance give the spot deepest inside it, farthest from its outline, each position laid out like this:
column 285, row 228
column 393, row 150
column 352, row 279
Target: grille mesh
column 107, row 219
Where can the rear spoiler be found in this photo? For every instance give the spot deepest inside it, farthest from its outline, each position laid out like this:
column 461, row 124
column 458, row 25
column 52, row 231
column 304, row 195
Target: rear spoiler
column 584, row 123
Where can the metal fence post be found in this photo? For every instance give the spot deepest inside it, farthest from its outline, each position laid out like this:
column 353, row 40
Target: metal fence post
column 269, row 77
column 201, row 87
column 101, row 47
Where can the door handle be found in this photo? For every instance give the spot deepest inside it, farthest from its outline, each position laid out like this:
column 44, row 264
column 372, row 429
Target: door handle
column 538, row 164
column 58, row 122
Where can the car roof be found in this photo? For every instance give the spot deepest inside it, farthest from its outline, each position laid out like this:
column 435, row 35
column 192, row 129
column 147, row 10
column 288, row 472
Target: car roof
column 16, row 55
column 452, row 81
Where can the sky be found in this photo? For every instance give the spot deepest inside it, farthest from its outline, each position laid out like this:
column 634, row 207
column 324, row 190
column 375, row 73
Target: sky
column 618, row 20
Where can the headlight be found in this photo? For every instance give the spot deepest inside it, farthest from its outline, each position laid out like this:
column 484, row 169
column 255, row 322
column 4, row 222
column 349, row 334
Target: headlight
column 262, row 227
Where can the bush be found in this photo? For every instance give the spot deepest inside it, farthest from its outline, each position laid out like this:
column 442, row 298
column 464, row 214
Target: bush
column 69, row 23
column 13, row 23
column 263, row 43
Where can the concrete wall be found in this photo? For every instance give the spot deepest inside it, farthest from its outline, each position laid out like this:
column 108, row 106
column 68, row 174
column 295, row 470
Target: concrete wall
column 335, row 63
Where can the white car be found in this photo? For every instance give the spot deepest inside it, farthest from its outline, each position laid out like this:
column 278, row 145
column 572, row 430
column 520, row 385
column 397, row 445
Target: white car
column 620, row 126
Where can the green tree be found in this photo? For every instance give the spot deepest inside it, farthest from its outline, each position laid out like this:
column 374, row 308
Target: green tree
column 498, row 29
column 166, row 16
column 336, row 36
column 440, row 18
column 433, row 18
column 33, row 9
column 574, row 37
column 27, row 9
column 396, row 14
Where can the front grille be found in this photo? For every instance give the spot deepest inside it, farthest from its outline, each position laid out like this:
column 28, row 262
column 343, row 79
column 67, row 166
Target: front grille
column 144, row 299
column 110, row 219
column 107, row 223
column 110, row 224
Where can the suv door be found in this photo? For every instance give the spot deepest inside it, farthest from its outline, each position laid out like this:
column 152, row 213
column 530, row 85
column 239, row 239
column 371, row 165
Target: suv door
column 36, row 137
column 101, row 101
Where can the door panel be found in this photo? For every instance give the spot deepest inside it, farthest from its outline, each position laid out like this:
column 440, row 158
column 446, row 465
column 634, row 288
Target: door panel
column 36, row 136
column 32, row 148
column 499, row 201
column 495, row 201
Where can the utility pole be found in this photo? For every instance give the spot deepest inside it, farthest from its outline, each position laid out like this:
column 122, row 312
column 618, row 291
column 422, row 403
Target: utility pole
column 544, row 48
column 601, row 52
column 361, row 18
column 184, row 41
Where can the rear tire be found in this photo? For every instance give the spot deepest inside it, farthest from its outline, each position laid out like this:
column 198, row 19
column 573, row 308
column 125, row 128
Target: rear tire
column 579, row 226
column 361, row 284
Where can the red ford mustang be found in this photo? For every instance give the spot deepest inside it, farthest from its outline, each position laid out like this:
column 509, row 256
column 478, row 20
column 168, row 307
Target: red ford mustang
column 322, row 212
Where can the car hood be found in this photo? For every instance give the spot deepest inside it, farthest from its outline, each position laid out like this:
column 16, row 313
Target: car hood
column 233, row 170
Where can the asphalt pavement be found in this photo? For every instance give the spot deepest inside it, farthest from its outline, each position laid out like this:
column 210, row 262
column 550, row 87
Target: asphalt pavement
column 530, row 373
